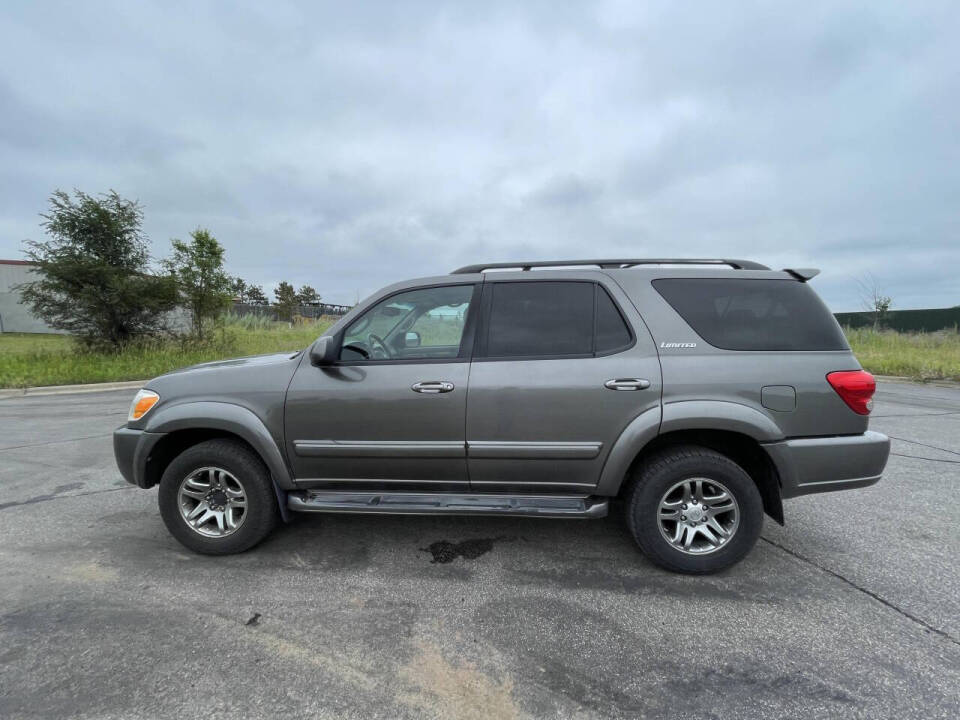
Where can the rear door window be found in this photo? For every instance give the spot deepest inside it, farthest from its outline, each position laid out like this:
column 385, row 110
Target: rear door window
column 553, row 319
column 747, row 314
column 612, row 330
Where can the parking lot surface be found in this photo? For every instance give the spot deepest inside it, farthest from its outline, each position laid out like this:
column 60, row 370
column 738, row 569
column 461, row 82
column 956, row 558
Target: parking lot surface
column 851, row 610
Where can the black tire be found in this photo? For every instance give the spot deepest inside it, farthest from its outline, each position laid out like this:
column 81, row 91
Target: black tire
column 660, row 472
column 260, row 514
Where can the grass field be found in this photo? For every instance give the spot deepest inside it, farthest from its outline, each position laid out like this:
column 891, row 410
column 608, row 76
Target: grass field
column 921, row 356
column 30, row 360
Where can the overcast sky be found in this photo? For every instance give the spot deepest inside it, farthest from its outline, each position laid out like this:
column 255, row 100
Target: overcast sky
column 350, row 145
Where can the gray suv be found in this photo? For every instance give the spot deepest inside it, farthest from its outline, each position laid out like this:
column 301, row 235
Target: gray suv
column 699, row 393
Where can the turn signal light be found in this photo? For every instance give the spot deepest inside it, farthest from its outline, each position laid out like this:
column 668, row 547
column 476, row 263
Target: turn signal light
column 855, row 387
column 142, row 402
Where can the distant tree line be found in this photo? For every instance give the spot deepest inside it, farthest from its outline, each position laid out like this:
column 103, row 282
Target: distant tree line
column 286, row 299
column 97, row 280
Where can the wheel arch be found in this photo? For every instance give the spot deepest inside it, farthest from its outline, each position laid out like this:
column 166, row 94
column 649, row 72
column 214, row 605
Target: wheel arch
column 736, row 432
column 183, row 426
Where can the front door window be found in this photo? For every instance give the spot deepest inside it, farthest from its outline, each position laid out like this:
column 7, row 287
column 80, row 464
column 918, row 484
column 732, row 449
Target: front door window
column 414, row 325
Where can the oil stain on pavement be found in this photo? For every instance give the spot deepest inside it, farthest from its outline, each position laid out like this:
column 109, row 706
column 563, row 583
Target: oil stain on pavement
column 444, row 551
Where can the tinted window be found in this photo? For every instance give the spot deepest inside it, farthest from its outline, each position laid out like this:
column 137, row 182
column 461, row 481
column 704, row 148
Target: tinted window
column 740, row 314
column 413, row 325
column 612, row 331
column 540, row 318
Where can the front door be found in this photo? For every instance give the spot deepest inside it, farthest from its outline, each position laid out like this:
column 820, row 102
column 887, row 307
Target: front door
column 390, row 413
column 560, row 369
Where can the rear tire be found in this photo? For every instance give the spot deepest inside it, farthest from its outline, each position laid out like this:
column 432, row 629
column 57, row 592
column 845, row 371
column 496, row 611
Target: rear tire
column 664, row 489
column 218, row 477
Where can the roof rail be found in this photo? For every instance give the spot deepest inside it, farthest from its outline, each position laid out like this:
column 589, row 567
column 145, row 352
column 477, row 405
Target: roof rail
column 609, row 264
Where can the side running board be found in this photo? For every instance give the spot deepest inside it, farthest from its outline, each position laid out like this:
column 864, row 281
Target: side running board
column 411, row 503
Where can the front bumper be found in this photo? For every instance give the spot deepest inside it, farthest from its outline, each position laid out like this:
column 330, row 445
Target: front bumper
column 823, row 464
column 131, row 448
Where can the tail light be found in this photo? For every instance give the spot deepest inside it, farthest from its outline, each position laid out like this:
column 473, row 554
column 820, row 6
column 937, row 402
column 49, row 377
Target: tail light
column 855, row 387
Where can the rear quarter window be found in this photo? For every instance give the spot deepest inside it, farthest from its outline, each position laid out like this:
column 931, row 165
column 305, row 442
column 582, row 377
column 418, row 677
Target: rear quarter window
column 746, row 314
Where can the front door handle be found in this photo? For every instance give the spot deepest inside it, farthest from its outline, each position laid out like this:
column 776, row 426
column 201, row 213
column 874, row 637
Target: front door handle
column 432, row 386
column 627, row 384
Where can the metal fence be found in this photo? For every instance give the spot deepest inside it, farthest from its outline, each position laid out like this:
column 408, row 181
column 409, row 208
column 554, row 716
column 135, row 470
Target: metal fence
column 314, row 311
column 906, row 320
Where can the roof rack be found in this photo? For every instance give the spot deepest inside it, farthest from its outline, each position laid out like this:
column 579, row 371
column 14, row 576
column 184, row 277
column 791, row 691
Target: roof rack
column 609, row 264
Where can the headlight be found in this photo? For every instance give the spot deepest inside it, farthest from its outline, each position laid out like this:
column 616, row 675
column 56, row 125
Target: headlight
column 143, row 401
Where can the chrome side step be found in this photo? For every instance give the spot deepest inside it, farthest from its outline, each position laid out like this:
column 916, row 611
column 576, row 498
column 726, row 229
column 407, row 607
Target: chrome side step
column 412, row 503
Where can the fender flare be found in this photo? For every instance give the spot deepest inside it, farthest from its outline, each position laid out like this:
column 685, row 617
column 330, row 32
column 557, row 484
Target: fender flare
column 719, row 415
column 641, row 430
column 234, row 419
column 682, row 415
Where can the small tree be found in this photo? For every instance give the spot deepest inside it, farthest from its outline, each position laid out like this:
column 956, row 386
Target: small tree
column 256, row 296
column 239, row 288
column 874, row 301
column 197, row 267
column 286, row 300
column 95, row 279
column 306, row 295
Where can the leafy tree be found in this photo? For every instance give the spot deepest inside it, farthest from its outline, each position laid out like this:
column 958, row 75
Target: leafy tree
column 306, row 295
column 239, row 287
column 197, row 267
column 286, row 300
column 94, row 278
column 256, row 296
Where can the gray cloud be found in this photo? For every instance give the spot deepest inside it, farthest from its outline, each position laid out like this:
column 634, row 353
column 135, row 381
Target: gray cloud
column 350, row 146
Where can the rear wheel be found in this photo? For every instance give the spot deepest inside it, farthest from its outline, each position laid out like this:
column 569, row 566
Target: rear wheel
column 217, row 498
column 693, row 510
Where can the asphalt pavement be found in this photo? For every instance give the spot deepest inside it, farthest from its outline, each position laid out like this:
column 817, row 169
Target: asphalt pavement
column 851, row 610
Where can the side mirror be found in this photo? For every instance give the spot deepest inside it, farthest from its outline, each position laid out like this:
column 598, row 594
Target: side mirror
column 324, row 351
column 411, row 339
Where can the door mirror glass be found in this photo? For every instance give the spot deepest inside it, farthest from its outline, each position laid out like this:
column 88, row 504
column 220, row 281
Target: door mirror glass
column 412, row 339
column 323, row 351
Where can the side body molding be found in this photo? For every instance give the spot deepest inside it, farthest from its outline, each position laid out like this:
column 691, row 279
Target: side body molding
column 235, row 419
column 641, row 430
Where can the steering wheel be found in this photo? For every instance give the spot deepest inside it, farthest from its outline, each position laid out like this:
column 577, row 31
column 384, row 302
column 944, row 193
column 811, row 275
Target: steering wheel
column 377, row 344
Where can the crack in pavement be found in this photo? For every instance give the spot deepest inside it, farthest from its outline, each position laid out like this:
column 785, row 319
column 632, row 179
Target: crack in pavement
column 52, row 496
column 920, row 457
column 880, row 599
column 914, row 442
column 916, row 415
column 55, row 442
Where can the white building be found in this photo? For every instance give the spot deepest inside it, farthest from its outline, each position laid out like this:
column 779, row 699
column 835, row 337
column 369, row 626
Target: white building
column 14, row 315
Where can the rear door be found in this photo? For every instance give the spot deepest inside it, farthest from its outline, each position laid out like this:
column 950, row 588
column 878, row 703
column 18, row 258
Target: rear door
column 560, row 368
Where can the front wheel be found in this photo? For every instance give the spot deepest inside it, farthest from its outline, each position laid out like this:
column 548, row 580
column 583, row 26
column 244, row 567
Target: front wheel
column 217, row 498
column 694, row 510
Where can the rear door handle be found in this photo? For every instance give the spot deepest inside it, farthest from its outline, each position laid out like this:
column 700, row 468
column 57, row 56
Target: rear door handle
column 627, row 384
column 432, row 386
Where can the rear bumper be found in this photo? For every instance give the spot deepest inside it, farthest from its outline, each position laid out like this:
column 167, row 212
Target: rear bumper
column 131, row 448
column 824, row 464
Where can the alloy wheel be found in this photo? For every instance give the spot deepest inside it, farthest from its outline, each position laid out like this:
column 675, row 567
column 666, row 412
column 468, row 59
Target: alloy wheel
column 698, row 516
column 212, row 502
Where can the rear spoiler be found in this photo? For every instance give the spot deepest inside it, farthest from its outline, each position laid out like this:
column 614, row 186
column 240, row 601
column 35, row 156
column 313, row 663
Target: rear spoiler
column 803, row 274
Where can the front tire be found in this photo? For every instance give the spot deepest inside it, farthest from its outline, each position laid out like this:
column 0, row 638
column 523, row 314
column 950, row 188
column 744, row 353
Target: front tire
column 217, row 498
column 693, row 510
